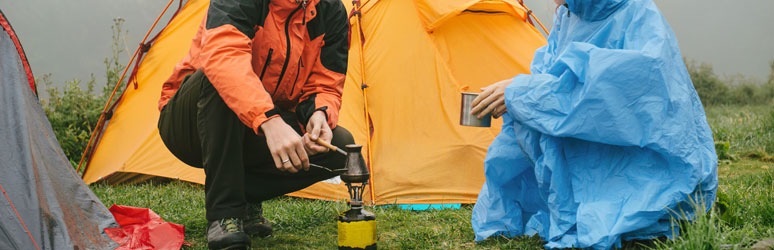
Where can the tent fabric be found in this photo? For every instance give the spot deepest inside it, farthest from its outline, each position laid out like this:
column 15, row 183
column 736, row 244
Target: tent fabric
column 603, row 139
column 12, row 34
column 419, row 153
column 435, row 13
column 44, row 204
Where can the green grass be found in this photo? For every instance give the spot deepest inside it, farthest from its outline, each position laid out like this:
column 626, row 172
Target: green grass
column 302, row 223
column 749, row 130
column 746, row 184
column 746, row 195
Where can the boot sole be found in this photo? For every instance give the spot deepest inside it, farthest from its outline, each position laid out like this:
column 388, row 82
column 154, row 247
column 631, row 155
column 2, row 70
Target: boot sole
column 234, row 247
column 231, row 244
column 259, row 231
column 261, row 234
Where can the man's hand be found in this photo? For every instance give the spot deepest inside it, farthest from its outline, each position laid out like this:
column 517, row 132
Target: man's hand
column 285, row 145
column 491, row 100
column 317, row 127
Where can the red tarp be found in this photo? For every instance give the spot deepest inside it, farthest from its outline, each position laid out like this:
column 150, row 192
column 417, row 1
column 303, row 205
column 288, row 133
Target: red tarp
column 143, row 229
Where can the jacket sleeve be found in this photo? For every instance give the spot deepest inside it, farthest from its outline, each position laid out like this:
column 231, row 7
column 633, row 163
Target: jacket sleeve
column 323, row 89
column 172, row 84
column 226, row 57
column 624, row 97
column 182, row 69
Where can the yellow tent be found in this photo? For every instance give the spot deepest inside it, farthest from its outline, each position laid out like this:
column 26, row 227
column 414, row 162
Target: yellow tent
column 417, row 57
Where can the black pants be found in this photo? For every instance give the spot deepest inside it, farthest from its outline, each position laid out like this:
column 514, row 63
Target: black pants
column 200, row 130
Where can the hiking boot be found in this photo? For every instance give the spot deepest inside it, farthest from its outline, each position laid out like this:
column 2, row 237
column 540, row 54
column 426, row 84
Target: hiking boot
column 227, row 234
column 255, row 224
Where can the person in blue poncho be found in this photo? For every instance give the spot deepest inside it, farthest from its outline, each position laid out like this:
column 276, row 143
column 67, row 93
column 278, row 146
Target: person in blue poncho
column 605, row 141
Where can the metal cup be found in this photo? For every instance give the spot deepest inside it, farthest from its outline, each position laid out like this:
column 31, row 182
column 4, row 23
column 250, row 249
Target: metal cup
column 466, row 119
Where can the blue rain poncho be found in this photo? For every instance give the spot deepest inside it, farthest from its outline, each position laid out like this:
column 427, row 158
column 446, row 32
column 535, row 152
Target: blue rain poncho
column 605, row 140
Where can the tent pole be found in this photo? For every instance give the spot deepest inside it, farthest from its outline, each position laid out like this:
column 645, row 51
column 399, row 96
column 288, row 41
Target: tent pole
column 101, row 120
column 529, row 13
column 363, row 86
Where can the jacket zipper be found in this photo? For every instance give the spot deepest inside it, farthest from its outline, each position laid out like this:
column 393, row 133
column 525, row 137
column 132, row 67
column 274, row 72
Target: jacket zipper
column 287, row 55
column 298, row 72
column 266, row 65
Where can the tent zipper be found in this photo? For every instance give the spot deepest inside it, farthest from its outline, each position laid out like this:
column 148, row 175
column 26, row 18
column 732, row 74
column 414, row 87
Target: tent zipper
column 266, row 65
column 287, row 55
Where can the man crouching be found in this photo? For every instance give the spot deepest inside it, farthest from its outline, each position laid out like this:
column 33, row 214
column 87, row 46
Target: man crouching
column 261, row 82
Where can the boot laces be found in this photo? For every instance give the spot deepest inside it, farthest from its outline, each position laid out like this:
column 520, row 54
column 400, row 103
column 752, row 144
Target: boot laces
column 230, row 225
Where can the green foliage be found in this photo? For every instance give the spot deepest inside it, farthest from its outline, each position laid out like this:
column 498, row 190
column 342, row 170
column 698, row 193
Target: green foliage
column 721, row 148
column 768, row 89
column 726, row 212
column 703, row 230
column 73, row 113
column 768, row 134
column 749, row 130
column 742, row 214
column 748, row 187
column 752, row 196
column 710, row 89
column 736, row 89
column 74, row 110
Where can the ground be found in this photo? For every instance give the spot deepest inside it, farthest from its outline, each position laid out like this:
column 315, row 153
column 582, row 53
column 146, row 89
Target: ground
column 746, row 194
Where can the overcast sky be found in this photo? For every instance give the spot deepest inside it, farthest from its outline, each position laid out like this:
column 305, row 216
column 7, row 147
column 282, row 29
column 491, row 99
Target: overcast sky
column 736, row 37
column 71, row 38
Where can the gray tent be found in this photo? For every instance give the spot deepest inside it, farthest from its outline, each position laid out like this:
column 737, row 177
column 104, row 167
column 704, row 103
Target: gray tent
column 44, row 204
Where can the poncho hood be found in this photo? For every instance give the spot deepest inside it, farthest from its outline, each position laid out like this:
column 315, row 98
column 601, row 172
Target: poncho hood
column 594, row 10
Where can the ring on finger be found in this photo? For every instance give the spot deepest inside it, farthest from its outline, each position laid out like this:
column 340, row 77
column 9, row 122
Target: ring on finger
column 285, row 161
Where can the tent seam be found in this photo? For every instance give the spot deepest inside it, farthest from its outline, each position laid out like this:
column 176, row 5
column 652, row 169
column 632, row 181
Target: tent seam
column 18, row 216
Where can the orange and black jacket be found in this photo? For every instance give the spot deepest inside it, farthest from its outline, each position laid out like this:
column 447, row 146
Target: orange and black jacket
column 266, row 55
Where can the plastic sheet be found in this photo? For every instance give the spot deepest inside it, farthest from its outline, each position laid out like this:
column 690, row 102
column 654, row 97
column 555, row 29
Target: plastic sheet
column 143, row 229
column 603, row 139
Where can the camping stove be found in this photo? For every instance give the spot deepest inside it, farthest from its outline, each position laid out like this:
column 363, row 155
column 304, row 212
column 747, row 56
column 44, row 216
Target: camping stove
column 357, row 227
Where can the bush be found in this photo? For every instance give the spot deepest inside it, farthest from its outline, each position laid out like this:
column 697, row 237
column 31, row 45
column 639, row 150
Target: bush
column 710, row 89
column 74, row 110
column 732, row 90
column 768, row 134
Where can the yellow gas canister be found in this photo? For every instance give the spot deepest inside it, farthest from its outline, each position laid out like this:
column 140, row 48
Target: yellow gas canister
column 357, row 228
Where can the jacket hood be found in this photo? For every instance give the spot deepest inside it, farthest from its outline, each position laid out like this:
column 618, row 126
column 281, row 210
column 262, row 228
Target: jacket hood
column 594, row 10
column 283, row 8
